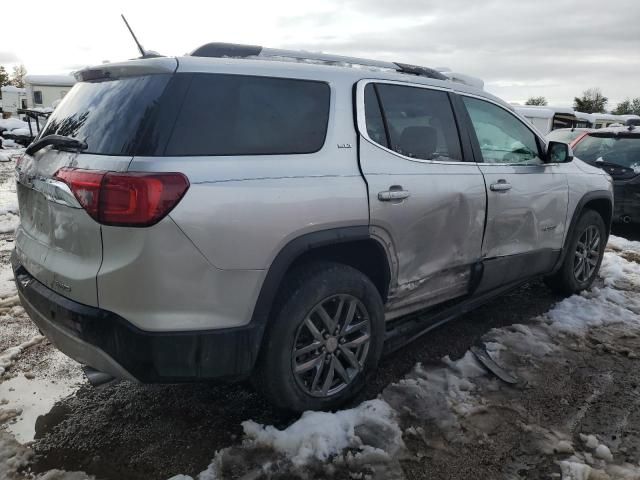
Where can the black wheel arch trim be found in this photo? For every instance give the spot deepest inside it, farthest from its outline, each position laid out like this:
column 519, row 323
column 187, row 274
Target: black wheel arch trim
column 292, row 251
column 577, row 212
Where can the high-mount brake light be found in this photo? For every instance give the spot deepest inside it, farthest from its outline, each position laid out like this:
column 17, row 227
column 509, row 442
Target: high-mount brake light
column 132, row 199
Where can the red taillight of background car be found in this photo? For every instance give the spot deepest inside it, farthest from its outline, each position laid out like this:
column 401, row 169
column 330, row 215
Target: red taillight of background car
column 132, row 199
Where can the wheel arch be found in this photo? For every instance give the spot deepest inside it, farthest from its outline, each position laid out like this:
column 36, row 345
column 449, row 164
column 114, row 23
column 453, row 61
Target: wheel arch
column 353, row 246
column 600, row 201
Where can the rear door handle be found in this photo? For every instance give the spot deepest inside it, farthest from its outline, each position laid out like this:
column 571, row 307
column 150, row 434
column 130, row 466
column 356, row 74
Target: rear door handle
column 500, row 186
column 392, row 194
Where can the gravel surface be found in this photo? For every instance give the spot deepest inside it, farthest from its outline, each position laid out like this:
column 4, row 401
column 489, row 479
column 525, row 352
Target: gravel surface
column 130, row 431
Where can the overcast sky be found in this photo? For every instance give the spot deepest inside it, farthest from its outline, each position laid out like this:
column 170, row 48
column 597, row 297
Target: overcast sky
column 520, row 48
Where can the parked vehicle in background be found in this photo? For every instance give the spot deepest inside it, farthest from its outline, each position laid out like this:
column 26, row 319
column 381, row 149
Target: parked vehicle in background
column 249, row 212
column 547, row 119
column 566, row 135
column 604, row 120
column 616, row 150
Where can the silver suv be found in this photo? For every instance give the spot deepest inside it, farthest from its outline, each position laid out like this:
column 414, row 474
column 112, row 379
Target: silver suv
column 276, row 215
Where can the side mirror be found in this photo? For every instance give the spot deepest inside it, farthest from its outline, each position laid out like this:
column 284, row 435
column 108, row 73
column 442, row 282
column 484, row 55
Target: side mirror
column 558, row 152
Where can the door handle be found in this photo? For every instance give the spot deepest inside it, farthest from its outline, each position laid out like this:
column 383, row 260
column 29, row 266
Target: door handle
column 393, row 194
column 500, row 186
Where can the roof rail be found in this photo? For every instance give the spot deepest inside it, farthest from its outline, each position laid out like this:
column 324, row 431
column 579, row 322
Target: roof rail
column 234, row 50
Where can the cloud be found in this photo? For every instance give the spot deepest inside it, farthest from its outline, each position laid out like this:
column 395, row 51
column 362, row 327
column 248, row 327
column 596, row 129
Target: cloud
column 544, row 47
column 8, row 57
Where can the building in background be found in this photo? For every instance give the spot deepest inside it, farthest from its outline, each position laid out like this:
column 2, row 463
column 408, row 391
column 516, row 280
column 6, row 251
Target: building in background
column 45, row 91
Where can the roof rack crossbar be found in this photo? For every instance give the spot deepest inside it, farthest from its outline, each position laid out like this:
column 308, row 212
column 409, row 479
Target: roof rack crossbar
column 233, row 50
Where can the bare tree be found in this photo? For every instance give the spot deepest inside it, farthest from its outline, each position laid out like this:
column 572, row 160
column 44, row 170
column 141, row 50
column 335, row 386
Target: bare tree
column 537, row 101
column 17, row 78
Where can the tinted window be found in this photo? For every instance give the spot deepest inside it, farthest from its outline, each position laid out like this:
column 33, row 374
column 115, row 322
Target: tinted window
column 108, row 115
column 502, row 137
column 246, row 115
column 420, row 122
column 621, row 150
column 373, row 116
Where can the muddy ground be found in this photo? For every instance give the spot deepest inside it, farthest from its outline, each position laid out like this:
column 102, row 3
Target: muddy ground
column 128, row 431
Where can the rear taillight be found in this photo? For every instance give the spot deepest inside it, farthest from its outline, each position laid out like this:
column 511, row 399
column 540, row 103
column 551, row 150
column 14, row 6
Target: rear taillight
column 132, row 199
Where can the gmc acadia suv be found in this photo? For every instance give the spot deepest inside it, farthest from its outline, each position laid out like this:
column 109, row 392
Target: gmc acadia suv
column 276, row 216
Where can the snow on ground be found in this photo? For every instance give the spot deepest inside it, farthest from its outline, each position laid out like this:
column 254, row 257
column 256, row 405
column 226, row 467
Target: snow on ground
column 434, row 414
column 33, row 374
column 453, row 404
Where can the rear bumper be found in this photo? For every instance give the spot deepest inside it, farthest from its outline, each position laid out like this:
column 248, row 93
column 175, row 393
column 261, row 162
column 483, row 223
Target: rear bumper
column 109, row 343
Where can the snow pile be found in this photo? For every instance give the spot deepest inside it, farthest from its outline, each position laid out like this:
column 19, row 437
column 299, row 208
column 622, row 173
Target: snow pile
column 452, row 398
column 319, row 435
column 319, row 441
column 12, row 123
column 13, row 457
column 10, row 354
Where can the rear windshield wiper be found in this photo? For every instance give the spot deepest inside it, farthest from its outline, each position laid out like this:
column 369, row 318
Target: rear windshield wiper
column 58, row 141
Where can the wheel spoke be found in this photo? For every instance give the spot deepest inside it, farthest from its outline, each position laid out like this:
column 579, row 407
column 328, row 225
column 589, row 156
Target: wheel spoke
column 338, row 314
column 328, row 381
column 313, row 329
column 356, row 327
column 309, row 348
column 318, row 375
column 326, row 319
column 340, row 369
column 309, row 364
column 351, row 358
column 351, row 313
column 578, row 266
column 357, row 342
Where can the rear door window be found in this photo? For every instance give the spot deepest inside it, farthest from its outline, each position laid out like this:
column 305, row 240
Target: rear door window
column 419, row 122
column 250, row 115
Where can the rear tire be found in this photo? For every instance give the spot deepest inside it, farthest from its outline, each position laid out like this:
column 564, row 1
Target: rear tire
column 583, row 257
column 323, row 340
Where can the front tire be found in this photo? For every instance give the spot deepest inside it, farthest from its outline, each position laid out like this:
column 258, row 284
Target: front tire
column 324, row 339
column 583, row 258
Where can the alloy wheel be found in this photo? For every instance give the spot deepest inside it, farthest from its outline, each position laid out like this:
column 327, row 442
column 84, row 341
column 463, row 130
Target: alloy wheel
column 587, row 254
column 331, row 345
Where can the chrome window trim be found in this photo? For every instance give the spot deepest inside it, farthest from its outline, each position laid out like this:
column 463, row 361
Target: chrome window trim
column 362, row 126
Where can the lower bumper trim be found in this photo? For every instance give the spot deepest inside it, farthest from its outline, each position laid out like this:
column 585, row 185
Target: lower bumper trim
column 111, row 344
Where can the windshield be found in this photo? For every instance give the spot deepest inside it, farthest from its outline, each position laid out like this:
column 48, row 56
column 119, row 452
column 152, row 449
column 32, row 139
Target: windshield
column 621, row 150
column 108, row 115
column 566, row 136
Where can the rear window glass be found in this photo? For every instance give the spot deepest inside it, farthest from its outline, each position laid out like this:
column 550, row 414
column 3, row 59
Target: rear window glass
column 249, row 115
column 621, row 150
column 108, row 115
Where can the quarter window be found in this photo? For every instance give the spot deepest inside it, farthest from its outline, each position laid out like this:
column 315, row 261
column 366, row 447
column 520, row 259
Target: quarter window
column 502, row 137
column 418, row 122
column 247, row 115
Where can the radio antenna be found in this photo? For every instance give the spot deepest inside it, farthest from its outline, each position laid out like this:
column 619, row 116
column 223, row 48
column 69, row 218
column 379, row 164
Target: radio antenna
column 135, row 39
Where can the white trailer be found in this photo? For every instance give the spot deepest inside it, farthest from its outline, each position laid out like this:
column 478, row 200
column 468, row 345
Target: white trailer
column 12, row 98
column 47, row 90
column 546, row 119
